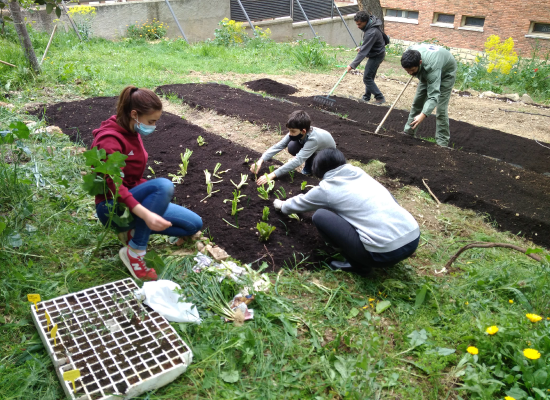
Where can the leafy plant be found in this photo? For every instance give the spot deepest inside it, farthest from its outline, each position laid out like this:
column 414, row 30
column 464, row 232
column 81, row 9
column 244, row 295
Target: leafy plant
column 264, row 193
column 185, row 162
column 311, row 53
column 234, row 202
column 303, row 185
column 244, row 178
column 271, row 168
column 291, row 173
column 231, row 33
column 265, row 213
column 209, row 184
column 246, row 159
column 265, row 231
column 294, row 216
column 280, row 193
column 216, row 173
column 83, row 17
column 151, row 169
column 200, row 141
column 148, row 30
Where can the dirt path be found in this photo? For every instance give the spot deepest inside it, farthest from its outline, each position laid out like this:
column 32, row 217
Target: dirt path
column 474, row 110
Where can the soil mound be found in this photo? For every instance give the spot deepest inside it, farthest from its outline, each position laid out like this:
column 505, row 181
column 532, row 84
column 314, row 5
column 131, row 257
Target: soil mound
column 271, row 87
column 172, row 136
column 516, row 198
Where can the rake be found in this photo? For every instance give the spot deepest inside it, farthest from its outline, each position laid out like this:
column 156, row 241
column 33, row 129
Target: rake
column 325, row 100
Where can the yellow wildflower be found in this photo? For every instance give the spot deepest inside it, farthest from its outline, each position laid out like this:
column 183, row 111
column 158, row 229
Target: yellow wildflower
column 466, row 303
column 511, row 301
column 533, row 317
column 371, row 299
column 531, row 354
column 509, row 398
column 492, row 330
column 472, row 350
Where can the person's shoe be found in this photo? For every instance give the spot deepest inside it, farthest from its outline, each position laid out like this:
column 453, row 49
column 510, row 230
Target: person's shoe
column 306, row 171
column 365, row 98
column 379, row 102
column 336, row 265
column 125, row 237
column 136, row 266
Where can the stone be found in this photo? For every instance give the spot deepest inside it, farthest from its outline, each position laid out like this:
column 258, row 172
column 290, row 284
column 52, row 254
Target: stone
column 74, row 150
column 54, row 130
column 204, row 239
column 527, row 99
column 183, row 252
column 30, row 124
column 196, row 236
column 489, row 95
column 513, row 97
column 200, row 246
column 6, row 105
column 207, row 249
column 217, row 253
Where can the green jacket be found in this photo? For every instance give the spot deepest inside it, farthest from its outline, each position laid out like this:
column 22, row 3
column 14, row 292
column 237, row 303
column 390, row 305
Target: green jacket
column 437, row 63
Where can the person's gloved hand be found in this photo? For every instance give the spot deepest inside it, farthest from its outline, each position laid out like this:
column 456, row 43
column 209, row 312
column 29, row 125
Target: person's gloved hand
column 278, row 204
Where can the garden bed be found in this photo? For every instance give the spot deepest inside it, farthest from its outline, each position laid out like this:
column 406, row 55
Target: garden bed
column 120, row 346
column 516, row 198
column 172, row 136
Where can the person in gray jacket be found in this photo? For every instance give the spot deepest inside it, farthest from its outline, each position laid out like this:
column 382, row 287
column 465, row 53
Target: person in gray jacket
column 373, row 47
column 303, row 142
column 356, row 215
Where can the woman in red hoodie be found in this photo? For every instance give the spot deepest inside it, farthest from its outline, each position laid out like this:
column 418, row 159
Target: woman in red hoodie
column 138, row 110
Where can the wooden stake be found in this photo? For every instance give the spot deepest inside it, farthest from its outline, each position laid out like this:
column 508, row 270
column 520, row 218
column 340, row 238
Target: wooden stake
column 48, row 46
column 487, row 245
column 430, row 191
column 7, row 63
column 393, row 105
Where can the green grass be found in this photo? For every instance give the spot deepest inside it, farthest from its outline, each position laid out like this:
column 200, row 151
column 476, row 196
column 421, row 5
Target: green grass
column 316, row 333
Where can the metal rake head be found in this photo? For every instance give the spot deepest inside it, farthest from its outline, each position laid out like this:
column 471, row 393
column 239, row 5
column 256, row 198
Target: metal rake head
column 325, row 101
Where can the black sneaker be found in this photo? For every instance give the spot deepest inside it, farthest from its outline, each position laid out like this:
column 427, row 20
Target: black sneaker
column 365, row 98
column 379, row 102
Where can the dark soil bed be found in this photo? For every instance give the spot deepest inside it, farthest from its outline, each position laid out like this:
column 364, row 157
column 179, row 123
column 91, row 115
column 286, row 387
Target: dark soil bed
column 516, row 198
column 172, row 137
column 271, row 87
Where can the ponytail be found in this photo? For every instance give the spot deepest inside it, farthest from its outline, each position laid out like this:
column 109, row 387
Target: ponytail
column 144, row 101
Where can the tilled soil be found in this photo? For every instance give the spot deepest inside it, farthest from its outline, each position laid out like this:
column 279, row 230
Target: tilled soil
column 271, row 87
column 172, row 136
column 516, row 198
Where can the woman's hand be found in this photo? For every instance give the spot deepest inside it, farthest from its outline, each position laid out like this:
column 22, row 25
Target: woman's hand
column 262, row 179
column 255, row 168
column 154, row 221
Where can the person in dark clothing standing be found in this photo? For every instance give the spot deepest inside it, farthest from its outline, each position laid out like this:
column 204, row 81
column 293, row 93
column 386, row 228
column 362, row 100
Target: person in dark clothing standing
column 373, row 47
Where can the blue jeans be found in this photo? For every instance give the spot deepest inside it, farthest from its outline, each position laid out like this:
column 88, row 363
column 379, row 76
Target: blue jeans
column 371, row 68
column 154, row 195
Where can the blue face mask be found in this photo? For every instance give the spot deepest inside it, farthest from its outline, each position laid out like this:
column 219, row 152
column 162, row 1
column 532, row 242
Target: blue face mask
column 143, row 129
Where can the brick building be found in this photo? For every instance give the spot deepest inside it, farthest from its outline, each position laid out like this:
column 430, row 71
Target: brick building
column 468, row 23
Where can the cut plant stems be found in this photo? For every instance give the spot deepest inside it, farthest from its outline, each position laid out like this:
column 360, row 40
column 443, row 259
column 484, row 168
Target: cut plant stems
column 234, row 202
column 294, row 216
column 244, row 178
column 280, row 193
column 291, row 173
column 209, row 185
column 216, row 173
column 265, row 231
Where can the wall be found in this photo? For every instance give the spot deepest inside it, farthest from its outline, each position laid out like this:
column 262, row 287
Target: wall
column 197, row 18
column 502, row 18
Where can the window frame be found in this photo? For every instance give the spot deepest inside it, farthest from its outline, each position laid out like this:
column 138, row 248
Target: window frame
column 404, row 20
column 442, row 24
column 473, row 28
column 537, row 35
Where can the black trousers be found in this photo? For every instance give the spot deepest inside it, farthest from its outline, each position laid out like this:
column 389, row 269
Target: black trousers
column 294, row 147
column 371, row 68
column 342, row 235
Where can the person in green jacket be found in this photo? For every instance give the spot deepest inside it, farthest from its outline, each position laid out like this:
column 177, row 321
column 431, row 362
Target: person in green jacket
column 435, row 68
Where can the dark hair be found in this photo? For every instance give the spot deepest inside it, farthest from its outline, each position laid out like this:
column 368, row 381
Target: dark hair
column 411, row 59
column 144, row 101
column 362, row 16
column 299, row 120
column 326, row 160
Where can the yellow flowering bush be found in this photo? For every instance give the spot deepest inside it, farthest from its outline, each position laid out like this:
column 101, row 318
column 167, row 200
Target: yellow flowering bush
column 500, row 55
column 83, row 17
column 232, row 33
column 147, row 30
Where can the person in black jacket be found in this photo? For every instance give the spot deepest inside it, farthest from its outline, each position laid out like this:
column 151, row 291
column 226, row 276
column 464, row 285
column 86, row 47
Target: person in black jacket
column 373, row 47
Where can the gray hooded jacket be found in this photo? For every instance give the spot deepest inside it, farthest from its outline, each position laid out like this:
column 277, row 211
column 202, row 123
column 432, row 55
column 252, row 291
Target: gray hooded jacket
column 373, row 42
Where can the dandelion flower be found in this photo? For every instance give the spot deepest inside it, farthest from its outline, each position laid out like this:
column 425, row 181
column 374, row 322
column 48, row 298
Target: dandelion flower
column 371, row 299
column 472, row 350
column 531, row 354
column 509, row 398
column 511, row 301
column 466, row 303
column 492, row 330
column 533, row 317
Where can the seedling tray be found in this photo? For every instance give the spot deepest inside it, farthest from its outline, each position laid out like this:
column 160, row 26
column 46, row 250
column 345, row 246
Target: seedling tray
column 121, row 347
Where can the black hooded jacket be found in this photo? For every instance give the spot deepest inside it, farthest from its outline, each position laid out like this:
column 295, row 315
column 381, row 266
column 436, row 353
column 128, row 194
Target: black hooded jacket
column 373, row 41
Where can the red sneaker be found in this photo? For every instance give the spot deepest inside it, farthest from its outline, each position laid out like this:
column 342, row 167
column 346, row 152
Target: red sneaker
column 125, row 237
column 136, row 266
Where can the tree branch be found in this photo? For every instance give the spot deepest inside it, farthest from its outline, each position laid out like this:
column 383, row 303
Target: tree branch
column 488, row 245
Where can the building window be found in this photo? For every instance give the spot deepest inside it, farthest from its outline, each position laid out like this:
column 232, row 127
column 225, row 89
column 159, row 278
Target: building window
column 539, row 30
column 443, row 20
column 472, row 23
column 406, row 16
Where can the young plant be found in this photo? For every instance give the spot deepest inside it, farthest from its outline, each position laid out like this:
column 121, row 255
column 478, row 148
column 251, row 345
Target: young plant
column 176, row 178
column 216, row 173
column 303, row 186
column 281, row 193
column 209, row 185
column 265, row 231
column 234, row 202
column 151, row 169
column 271, row 168
column 265, row 213
column 294, row 216
column 246, row 159
column 291, row 173
column 244, row 177
column 185, row 162
column 201, row 141
column 263, row 194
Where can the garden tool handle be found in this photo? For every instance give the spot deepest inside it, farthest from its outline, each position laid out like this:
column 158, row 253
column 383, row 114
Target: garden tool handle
column 393, row 105
column 337, row 83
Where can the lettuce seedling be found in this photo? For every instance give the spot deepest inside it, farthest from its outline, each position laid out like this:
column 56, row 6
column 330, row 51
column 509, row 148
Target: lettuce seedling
column 265, row 213
column 201, row 141
column 265, row 231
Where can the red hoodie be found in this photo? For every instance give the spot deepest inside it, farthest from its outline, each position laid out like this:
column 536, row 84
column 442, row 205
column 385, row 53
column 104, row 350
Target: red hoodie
column 112, row 137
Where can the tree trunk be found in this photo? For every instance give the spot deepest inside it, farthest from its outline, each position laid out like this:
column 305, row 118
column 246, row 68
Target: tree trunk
column 24, row 38
column 373, row 7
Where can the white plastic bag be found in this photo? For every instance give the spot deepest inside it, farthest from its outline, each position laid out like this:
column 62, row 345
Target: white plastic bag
column 160, row 296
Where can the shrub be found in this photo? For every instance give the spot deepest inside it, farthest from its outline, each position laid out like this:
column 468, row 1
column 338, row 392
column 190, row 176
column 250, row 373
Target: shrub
column 232, row 33
column 311, row 53
column 148, row 30
column 83, row 17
